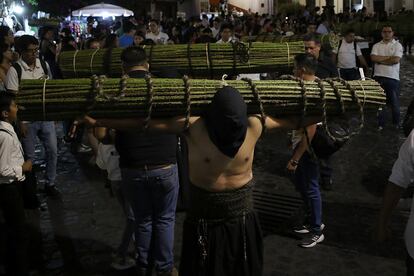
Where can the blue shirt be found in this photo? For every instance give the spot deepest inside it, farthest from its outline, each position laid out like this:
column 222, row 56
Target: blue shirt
column 126, row 40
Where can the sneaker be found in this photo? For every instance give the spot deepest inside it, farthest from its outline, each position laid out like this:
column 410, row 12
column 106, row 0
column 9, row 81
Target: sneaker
column 305, row 229
column 312, row 240
column 122, row 263
column 53, row 192
column 83, row 149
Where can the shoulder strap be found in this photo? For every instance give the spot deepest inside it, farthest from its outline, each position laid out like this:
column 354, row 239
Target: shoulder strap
column 339, row 47
column 44, row 66
column 3, row 130
column 18, row 69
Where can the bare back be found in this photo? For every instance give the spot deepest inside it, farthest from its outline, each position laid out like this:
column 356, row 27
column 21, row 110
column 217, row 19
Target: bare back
column 210, row 169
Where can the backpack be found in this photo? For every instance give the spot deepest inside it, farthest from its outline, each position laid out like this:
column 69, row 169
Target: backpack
column 355, row 48
column 18, row 68
column 323, row 146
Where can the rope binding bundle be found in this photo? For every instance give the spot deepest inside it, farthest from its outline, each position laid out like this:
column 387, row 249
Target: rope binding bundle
column 152, row 97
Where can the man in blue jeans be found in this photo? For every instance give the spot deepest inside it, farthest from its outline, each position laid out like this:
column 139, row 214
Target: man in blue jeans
column 150, row 182
column 29, row 66
column 304, row 167
column 386, row 55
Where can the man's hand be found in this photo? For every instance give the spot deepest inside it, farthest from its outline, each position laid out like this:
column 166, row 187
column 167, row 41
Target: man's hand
column 27, row 166
column 292, row 165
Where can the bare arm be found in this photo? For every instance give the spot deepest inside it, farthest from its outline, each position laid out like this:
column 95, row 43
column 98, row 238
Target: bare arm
column 363, row 62
column 174, row 125
column 304, row 143
column 290, row 122
column 385, row 60
column 392, row 195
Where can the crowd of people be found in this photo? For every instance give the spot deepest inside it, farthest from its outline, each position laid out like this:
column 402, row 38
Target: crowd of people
column 225, row 238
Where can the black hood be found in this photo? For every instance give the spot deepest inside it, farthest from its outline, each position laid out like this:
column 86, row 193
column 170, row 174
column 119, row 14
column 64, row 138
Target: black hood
column 226, row 120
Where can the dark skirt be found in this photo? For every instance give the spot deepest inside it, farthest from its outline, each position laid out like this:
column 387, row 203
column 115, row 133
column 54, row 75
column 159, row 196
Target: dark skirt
column 228, row 242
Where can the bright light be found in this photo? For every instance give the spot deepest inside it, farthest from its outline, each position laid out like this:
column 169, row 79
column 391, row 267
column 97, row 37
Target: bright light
column 18, row 9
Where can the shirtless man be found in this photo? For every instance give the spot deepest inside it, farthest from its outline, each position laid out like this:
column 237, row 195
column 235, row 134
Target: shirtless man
column 221, row 235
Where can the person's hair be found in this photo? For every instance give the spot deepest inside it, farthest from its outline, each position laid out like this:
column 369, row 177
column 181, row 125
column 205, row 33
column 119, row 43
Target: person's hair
column 90, row 41
column 110, row 41
column 387, row 26
column 133, row 56
column 3, row 48
column 6, row 99
column 43, row 31
column 312, row 37
column 207, row 31
column 307, row 61
column 128, row 26
column 4, row 31
column 226, row 26
column 22, row 43
column 349, row 31
column 154, row 21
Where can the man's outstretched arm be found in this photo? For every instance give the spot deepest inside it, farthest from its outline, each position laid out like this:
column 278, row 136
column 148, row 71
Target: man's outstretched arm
column 173, row 125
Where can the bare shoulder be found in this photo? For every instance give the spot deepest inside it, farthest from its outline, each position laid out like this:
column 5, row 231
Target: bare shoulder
column 255, row 125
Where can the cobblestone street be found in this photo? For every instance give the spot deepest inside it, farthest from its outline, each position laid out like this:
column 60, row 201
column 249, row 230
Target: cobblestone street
column 82, row 231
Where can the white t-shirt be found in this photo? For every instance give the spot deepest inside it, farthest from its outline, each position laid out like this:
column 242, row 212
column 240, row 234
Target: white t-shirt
column 12, row 79
column 161, row 38
column 403, row 175
column 322, row 29
column 346, row 55
column 393, row 48
column 107, row 158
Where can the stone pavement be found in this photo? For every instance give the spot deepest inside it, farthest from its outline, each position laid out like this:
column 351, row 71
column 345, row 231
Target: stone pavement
column 81, row 232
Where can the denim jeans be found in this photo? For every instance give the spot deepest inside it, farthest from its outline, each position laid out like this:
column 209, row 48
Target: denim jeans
column 349, row 74
column 307, row 183
column 153, row 198
column 392, row 91
column 47, row 135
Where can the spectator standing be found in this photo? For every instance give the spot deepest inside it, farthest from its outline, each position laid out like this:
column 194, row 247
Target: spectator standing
column 155, row 33
column 386, row 55
column 127, row 39
column 346, row 56
column 304, row 166
column 226, row 34
column 12, row 174
column 31, row 67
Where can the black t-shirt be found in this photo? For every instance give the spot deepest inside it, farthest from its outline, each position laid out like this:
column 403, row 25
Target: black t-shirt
column 326, row 67
column 139, row 148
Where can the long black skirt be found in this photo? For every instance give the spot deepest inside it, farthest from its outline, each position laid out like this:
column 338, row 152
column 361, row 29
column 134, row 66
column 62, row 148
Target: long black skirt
column 233, row 247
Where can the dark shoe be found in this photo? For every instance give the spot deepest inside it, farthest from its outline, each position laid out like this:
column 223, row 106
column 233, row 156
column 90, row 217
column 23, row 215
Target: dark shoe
column 174, row 272
column 326, row 183
column 305, row 229
column 311, row 240
column 53, row 192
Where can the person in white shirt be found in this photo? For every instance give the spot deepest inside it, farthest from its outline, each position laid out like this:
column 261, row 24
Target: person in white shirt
column 226, row 34
column 29, row 66
column 346, row 55
column 12, row 170
column 155, row 34
column 323, row 28
column 386, row 55
column 401, row 177
column 216, row 27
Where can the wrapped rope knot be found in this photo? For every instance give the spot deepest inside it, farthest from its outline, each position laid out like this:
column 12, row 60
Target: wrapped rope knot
column 150, row 100
column 187, row 98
